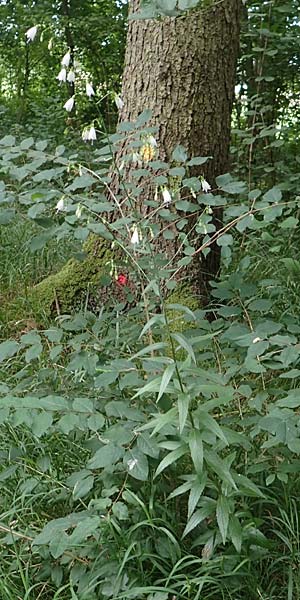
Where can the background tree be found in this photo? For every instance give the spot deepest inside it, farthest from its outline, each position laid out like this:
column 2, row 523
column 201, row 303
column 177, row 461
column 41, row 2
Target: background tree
column 30, row 95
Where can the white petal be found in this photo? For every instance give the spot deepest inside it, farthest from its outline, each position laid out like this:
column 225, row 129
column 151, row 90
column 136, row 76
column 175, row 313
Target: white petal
column 89, row 90
column 31, row 33
column 119, row 102
column 69, row 104
column 62, row 75
column 65, row 61
column 71, row 77
column 167, row 196
column 205, row 185
column 152, row 141
column 60, row 205
column 92, row 133
column 135, row 237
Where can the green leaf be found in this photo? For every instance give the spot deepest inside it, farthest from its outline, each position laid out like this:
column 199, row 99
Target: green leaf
column 222, row 514
column 58, row 526
column 96, row 422
column 208, row 422
column 170, row 459
column 248, row 487
column 234, row 187
column 235, row 532
column 177, row 172
column 84, row 529
column 165, row 380
column 197, row 518
column 179, row 154
column 83, row 181
column 183, row 408
column 33, row 352
column 106, row 378
column 148, row 445
column 183, row 343
column 143, row 118
column 219, row 466
column 8, row 349
column 181, row 308
column 137, row 464
column 198, row 160
column 120, row 510
column 7, row 215
column 69, row 422
column 58, row 545
column 105, row 456
column 196, row 449
column 83, row 487
column 196, row 493
column 273, row 195
column 84, row 405
column 41, row 423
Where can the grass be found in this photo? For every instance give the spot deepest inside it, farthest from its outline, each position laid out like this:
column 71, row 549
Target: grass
column 20, row 269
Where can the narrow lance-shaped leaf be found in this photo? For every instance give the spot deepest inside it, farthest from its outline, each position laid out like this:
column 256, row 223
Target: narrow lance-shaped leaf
column 170, row 459
column 196, row 449
column 167, row 375
column 183, row 408
column 222, row 514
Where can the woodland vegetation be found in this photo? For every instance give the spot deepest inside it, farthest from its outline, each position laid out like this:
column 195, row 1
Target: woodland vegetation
column 149, row 300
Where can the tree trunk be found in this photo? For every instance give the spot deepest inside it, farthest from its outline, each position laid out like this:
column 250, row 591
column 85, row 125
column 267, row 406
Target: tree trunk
column 183, row 69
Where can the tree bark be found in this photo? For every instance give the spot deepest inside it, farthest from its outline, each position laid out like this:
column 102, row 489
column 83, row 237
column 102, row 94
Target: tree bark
column 183, row 69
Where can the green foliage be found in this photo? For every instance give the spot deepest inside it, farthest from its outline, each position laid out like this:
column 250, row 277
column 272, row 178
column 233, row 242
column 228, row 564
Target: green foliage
column 150, row 446
column 157, row 437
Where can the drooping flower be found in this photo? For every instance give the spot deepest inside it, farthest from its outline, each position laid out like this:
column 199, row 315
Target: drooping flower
column 60, row 206
column 62, row 75
column 119, row 102
column 135, row 236
column 166, row 196
column 92, row 134
column 89, row 90
column 69, row 104
column 136, row 159
column 71, row 77
column 152, row 141
column 31, row 33
column 85, row 135
column 65, row 61
column 89, row 134
column 205, row 185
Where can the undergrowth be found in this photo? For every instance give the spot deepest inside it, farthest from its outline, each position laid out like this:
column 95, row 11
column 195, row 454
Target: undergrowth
column 150, row 445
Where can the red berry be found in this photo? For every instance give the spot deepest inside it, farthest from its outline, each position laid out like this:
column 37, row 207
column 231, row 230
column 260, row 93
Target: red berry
column 122, row 279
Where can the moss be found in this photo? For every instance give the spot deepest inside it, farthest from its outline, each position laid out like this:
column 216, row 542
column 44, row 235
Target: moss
column 185, row 296
column 63, row 290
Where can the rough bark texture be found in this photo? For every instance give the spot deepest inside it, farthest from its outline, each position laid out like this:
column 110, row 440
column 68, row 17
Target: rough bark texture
column 183, row 69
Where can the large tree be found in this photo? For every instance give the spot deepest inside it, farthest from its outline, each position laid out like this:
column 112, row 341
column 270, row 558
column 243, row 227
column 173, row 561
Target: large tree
column 183, row 69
